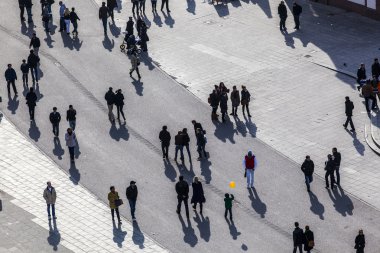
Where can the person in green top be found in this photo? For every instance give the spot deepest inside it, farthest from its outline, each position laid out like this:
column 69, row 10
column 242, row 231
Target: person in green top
column 228, row 204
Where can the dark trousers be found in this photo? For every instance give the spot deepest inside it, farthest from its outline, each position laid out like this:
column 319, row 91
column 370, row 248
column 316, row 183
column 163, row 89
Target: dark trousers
column 22, row 11
column 71, row 151
column 299, row 246
column 349, row 120
column 46, row 24
column 62, row 25
column 154, row 5
column 144, row 46
column 282, row 23
column 188, row 150
column 104, row 21
column 337, row 175
column 308, row 180
column 297, row 21
column 186, row 205
column 331, row 175
column 132, row 205
column 201, row 149
column 117, row 213
column 135, row 5
column 29, row 12
column 13, row 86
column 110, row 12
column 31, row 112
column 34, row 72
column 165, row 149
column 56, row 129
column 137, row 71
column 200, row 206
column 246, row 106
column 180, row 148
column 120, row 110
column 75, row 25
column 142, row 6
column 52, row 209
column 165, row 2
column 25, row 78
column 228, row 210
column 234, row 110
column 367, row 99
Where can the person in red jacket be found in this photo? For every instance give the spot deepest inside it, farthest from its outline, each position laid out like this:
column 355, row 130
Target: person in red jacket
column 249, row 163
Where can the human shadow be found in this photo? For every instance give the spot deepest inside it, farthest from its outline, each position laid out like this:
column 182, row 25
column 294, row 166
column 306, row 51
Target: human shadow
column 316, row 206
column 67, row 41
column 137, row 236
column 183, row 170
column 252, row 128
column 170, row 172
column 265, row 7
column 240, row 127
column 119, row 133
column 259, row 206
column 118, row 234
column 58, row 150
column 27, row 30
column 233, row 230
column 77, row 152
column 224, row 131
column 146, row 20
column 74, row 174
column 236, row 3
column 1, row 116
column 157, row 19
column 191, row 6
column 108, row 44
column 77, row 43
column 205, row 170
column 147, row 60
column 169, row 21
column 13, row 103
column 138, row 86
column 37, row 91
column 34, row 132
column 203, row 225
column 54, row 236
column 189, row 235
column 288, row 39
column 49, row 41
column 222, row 10
column 360, row 148
column 342, row 203
column 115, row 31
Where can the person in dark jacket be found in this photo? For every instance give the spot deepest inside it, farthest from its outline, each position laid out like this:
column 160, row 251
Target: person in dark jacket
column 245, row 99
column 360, row 242
column 228, row 199
column 28, row 7
column 198, row 195
column 144, row 37
column 298, row 238
column 329, row 168
column 110, row 98
column 308, row 169
column 376, row 68
column 361, row 76
column 111, row 4
column 31, row 99
column 165, row 137
column 21, row 4
column 139, row 23
column 55, row 118
column 71, row 117
column 186, row 141
column 46, row 19
column 214, row 103
column 33, row 61
column 283, row 13
column 74, row 20
column 25, row 72
column 223, row 105
column 297, row 10
column 349, row 107
column 10, row 77
column 235, row 100
column 178, row 142
column 309, row 239
column 336, row 158
column 201, row 144
column 119, row 102
column 129, row 28
column 196, row 126
column 35, row 43
column 103, row 15
column 182, row 189
column 131, row 194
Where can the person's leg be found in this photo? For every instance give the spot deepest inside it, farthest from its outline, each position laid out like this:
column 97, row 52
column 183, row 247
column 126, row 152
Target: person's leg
column 300, row 247
column 199, row 149
column 49, row 8
column 32, row 112
column 332, row 179
column 22, row 10
column 104, row 20
column 186, row 207
column 179, row 205
column 167, row 5
column 176, row 152
column 366, row 99
column 327, row 179
column 138, row 72
column 167, row 151
column 248, row 172
column 118, row 111
column 230, row 210
column 225, row 213
column 48, row 210
column 121, row 111
column 162, row 4
column 53, row 210
column 351, row 123
column 35, row 70
column 200, row 207
column 14, row 87
column 188, row 151
column 117, row 214
column 307, row 181
column 195, row 206
column 67, row 26
column 181, row 152
column 47, row 26
column 9, row 87
column 29, row 12
column 163, row 150
column 71, row 151
column 113, row 214
column 53, row 125
column 204, row 150
column 337, row 175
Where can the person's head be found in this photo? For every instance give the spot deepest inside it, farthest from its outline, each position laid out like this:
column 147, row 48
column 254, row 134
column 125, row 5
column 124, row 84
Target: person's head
column 347, row 98
column 118, row 91
column 249, row 153
column 180, row 178
column 72, row 9
column 48, row 183
column 23, row 60
column 60, row 3
column 69, row 130
column 67, row 11
column 103, row 4
column 54, row 109
column 226, row 195
column 360, row 231
column 307, row 228
column 196, row 179
column 179, row 132
column 31, row 51
column 243, row 87
column 31, row 89
column 110, row 89
column 34, row 35
column 362, row 65
column 193, row 122
column 112, row 188
column 308, row 157
column 334, row 150
column 9, row 66
column 70, row 106
column 329, row 156
column 221, row 85
column 294, row 3
column 282, row 2
column 132, row 183
column 184, row 130
column 164, row 128
column 234, row 87
column 376, row 60
column 296, row 224
column 130, row 18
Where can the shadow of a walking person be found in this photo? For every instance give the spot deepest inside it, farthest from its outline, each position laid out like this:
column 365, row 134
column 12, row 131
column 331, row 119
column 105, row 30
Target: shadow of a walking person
column 118, row 234
column 54, row 235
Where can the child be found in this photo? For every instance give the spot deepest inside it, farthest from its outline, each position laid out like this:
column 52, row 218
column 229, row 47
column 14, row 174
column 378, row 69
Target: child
column 228, row 204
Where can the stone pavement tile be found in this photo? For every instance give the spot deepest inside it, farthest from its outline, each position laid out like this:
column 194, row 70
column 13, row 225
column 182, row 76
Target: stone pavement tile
column 77, row 209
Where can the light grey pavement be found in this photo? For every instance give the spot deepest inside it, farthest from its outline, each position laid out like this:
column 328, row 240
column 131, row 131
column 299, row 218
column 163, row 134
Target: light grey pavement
column 81, row 73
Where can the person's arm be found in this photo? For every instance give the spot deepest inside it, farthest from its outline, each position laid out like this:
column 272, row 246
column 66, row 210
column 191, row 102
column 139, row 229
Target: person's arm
column 59, row 117
column 45, row 195
column 312, row 167
column 232, row 197
column 137, row 192
column 303, row 167
column 127, row 193
column 31, row 42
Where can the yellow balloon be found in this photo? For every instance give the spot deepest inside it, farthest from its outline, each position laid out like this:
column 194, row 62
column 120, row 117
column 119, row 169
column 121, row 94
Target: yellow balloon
column 232, row 184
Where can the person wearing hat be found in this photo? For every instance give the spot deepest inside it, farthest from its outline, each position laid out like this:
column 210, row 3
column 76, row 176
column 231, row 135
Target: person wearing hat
column 110, row 98
column 308, row 169
column 131, row 193
column 55, row 118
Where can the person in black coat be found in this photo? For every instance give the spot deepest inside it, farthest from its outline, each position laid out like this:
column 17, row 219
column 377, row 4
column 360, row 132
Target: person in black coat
column 329, row 168
column 10, row 77
column 25, row 72
column 21, row 4
column 129, row 28
column 131, row 194
column 186, row 141
column 214, row 103
column 298, row 238
column 74, row 20
column 297, row 10
column 33, row 61
column 165, row 137
column 182, row 189
column 119, row 102
column 376, row 68
column 283, row 13
column 35, row 43
column 139, row 23
column 198, row 195
column 309, row 239
column 361, row 75
column 245, row 99
column 103, row 15
column 308, row 169
column 31, row 99
column 223, row 105
column 201, row 143
column 196, row 126
column 337, row 158
column 349, row 107
column 178, row 141
column 144, row 37
column 110, row 98
column 55, row 118
column 360, row 242
column 111, row 4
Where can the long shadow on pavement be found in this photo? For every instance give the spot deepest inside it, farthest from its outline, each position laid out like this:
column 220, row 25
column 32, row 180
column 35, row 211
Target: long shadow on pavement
column 224, row 131
column 316, row 206
column 342, row 203
column 203, row 225
column 74, row 174
column 205, row 170
column 54, row 236
column 137, row 236
column 58, row 150
column 191, row 6
column 170, row 172
column 233, row 230
column 189, row 237
column 169, row 21
column 259, row 206
column 34, row 132
column 139, row 87
column 108, row 44
column 13, row 104
column 357, row 144
column 157, row 19
column 222, row 9
column 118, row 234
column 119, row 133
column 115, row 31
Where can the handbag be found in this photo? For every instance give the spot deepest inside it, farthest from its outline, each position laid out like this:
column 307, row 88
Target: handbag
column 118, row 202
column 310, row 243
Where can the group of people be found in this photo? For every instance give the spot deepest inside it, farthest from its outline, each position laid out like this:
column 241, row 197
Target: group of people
column 117, row 99
column 67, row 17
column 369, row 86
column 219, row 98
column 115, row 201
column 283, row 13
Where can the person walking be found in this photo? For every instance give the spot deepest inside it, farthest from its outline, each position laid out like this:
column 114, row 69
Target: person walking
column 186, row 141
column 28, row 7
column 298, row 238
column 71, row 115
column 297, row 10
column 367, row 92
column 349, row 107
column 50, row 197
column 228, row 200
column 131, row 194
column 46, row 19
column 66, row 17
column 35, row 43
column 329, row 168
column 165, row 137
column 135, row 62
column 25, row 72
column 144, row 38
column 198, row 195
column 31, row 99
column 375, row 68
column 129, row 28
column 249, row 164
column 103, row 15
column 283, row 13
column 110, row 98
column 55, row 118
column 74, row 20
column 33, row 61
column 71, row 142
column 165, row 2
column 336, row 158
column 223, row 105
column 49, row 3
column 235, row 100
column 360, row 242
column 113, row 196
column 182, row 189
column 11, row 77
column 196, row 126
column 142, row 6
column 135, row 6
column 361, row 76
column 111, row 5
column 178, row 142
column 309, row 239
column 201, row 143
column 62, row 8
column 307, row 168
column 119, row 102
column 213, row 100
column 154, row 6
column 245, row 99
column 21, row 5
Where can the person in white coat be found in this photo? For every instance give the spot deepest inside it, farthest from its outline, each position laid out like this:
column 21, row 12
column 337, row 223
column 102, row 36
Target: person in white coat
column 249, row 165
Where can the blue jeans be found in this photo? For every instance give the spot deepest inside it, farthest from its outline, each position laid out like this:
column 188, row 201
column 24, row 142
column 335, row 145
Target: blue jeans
column 180, row 148
column 308, row 180
column 132, row 205
column 72, row 124
column 52, row 209
column 34, row 72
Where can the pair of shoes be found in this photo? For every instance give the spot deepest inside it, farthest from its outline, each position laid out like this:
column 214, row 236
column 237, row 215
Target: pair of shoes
column 194, row 208
column 345, row 127
column 352, row 130
column 249, row 115
column 120, row 222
